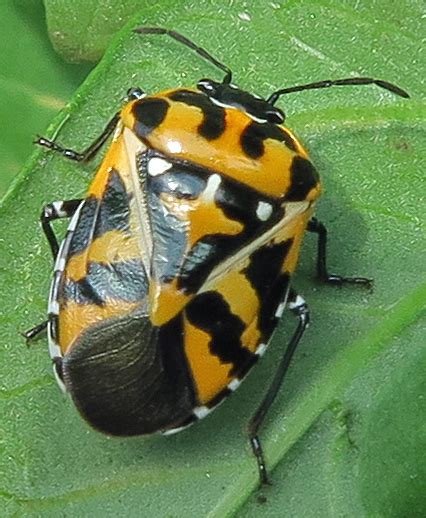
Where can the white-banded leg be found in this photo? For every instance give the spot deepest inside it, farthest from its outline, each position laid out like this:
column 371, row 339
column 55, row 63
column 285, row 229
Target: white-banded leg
column 297, row 305
column 51, row 212
column 90, row 152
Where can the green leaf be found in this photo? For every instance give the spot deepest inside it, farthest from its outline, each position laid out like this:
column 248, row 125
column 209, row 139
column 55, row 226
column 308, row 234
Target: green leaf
column 345, row 434
column 34, row 83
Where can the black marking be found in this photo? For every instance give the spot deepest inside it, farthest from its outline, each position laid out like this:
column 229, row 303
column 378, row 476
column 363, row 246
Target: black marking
column 239, row 203
column 182, row 424
column 54, row 326
column 100, row 216
column 213, row 124
column 211, row 313
column 241, row 100
column 304, row 177
column 183, row 180
column 253, row 137
column 149, row 113
column 113, row 211
column 219, row 397
column 82, row 235
column 124, row 281
column 169, row 235
column 81, row 239
column 129, row 378
column 264, row 274
column 203, row 257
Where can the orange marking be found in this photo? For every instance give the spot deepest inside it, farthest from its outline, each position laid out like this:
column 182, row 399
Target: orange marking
column 251, row 336
column 165, row 302
column 210, row 375
column 239, row 293
column 203, row 216
column 296, row 230
column 178, row 135
column 314, row 193
column 111, row 247
column 75, row 318
column 115, row 158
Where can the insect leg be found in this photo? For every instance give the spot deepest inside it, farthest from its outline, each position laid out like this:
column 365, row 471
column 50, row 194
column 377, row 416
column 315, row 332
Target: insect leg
column 318, row 228
column 297, row 305
column 53, row 211
column 88, row 153
column 35, row 331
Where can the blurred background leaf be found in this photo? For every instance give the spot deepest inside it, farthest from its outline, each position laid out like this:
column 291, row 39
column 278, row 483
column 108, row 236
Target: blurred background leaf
column 34, row 82
column 346, row 435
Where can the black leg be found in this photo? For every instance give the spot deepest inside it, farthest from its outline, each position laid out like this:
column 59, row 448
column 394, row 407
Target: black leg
column 87, row 154
column 52, row 211
column 35, row 332
column 299, row 308
column 318, row 228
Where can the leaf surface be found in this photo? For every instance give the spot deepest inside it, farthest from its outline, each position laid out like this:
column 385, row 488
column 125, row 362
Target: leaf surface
column 345, row 434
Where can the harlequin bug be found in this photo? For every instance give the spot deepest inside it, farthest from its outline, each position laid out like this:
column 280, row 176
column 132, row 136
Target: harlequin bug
column 176, row 265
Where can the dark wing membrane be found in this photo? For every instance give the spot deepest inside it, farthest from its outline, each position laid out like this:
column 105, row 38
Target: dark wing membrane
column 128, row 378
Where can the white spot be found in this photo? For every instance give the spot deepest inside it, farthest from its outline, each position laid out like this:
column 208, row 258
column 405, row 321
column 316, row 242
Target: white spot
column 60, row 265
column 264, row 210
column 201, row 411
column 224, row 105
column 53, row 307
column 219, row 103
column 245, row 17
column 57, row 205
column 172, row 431
column 300, row 301
column 260, row 351
column 54, row 349
column 212, row 185
column 234, row 384
column 174, row 146
column 158, row 166
column 256, row 119
column 280, row 310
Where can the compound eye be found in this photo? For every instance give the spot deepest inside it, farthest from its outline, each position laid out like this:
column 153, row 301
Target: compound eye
column 275, row 116
column 206, row 85
column 134, row 94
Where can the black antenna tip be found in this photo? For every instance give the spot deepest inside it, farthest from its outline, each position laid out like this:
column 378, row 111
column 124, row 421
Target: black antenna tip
column 392, row 88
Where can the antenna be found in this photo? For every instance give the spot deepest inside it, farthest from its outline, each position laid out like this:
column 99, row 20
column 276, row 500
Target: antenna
column 272, row 99
column 188, row 43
